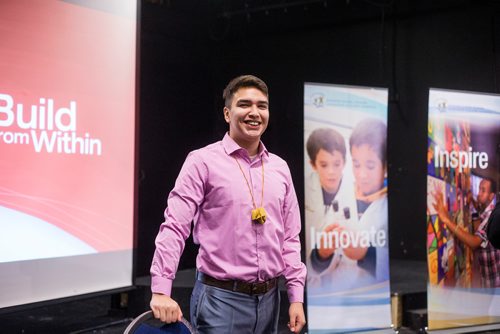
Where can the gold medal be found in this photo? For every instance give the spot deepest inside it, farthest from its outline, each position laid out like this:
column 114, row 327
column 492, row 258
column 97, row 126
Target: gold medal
column 259, row 215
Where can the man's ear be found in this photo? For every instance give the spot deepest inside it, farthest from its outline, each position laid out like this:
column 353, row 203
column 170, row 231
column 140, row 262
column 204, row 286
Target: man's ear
column 226, row 114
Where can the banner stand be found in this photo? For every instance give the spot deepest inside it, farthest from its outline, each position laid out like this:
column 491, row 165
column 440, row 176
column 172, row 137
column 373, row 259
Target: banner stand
column 346, row 209
column 463, row 291
column 379, row 331
column 472, row 329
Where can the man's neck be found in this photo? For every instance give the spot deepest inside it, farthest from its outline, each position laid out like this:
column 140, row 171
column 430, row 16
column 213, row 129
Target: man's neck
column 251, row 147
column 253, row 150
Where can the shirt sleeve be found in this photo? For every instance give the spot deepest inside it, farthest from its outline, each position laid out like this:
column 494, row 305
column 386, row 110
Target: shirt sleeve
column 295, row 270
column 182, row 206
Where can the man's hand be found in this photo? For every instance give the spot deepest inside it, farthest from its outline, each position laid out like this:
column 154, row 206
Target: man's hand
column 297, row 317
column 440, row 207
column 165, row 308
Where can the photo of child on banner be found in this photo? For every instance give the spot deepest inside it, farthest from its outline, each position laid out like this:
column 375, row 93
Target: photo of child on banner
column 346, row 213
column 327, row 151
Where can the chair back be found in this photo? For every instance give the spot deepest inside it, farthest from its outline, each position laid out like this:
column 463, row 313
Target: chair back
column 146, row 323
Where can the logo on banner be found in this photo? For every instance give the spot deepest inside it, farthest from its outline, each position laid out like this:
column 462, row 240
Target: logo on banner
column 318, row 100
column 46, row 127
column 442, row 105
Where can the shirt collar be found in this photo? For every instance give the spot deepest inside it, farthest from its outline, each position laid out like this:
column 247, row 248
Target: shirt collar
column 489, row 208
column 230, row 146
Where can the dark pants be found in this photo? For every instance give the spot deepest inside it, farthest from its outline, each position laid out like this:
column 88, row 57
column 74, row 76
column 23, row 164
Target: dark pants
column 217, row 311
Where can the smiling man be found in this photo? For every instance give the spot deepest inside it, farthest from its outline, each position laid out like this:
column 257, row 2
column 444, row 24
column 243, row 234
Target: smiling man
column 246, row 221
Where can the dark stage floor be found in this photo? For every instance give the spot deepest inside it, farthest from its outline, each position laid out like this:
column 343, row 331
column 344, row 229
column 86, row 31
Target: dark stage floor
column 110, row 314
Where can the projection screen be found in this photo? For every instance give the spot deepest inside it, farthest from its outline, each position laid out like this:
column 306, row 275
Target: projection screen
column 67, row 143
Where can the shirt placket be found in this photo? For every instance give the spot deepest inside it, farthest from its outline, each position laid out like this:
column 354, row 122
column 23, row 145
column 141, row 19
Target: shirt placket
column 256, row 184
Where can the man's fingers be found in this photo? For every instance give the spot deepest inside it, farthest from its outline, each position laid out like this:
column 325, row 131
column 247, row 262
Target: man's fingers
column 163, row 316
column 292, row 324
column 170, row 316
column 296, row 327
column 156, row 312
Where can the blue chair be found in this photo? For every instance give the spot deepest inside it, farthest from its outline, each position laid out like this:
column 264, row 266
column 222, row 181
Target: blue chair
column 146, row 323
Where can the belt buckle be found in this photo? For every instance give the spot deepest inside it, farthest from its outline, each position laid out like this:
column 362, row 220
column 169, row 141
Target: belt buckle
column 254, row 289
column 258, row 288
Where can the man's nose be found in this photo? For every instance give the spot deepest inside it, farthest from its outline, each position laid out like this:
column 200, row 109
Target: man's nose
column 254, row 110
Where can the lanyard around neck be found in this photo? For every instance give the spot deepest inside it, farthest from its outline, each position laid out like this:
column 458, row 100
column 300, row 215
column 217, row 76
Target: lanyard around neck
column 258, row 213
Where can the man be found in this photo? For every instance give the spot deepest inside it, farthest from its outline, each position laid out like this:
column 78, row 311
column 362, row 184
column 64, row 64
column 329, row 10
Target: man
column 488, row 257
column 246, row 221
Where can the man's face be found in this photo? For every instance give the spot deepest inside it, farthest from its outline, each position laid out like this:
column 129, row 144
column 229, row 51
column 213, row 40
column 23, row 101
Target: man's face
column 485, row 196
column 368, row 170
column 248, row 115
column 329, row 167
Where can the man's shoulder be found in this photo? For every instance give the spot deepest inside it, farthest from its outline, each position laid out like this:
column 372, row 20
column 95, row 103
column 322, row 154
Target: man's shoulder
column 497, row 207
column 493, row 230
column 203, row 152
column 276, row 158
column 495, row 213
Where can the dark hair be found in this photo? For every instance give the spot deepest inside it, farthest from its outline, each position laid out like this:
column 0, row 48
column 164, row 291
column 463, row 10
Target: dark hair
column 243, row 81
column 372, row 132
column 327, row 139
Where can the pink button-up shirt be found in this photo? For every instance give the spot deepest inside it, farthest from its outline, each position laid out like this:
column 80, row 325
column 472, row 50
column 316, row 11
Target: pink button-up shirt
column 211, row 191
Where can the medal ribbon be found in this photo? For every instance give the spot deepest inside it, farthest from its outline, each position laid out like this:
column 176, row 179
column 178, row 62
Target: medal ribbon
column 259, row 214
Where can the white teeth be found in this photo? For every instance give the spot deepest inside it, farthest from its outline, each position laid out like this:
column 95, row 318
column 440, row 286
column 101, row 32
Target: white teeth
column 253, row 123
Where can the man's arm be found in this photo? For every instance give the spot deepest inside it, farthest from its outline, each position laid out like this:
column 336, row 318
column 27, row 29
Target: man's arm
column 182, row 205
column 473, row 241
column 295, row 270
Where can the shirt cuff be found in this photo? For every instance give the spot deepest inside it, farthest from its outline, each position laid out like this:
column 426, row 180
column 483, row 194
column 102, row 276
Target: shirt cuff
column 161, row 285
column 296, row 294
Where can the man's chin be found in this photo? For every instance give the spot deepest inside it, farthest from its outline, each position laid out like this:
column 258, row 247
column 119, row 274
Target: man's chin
column 254, row 134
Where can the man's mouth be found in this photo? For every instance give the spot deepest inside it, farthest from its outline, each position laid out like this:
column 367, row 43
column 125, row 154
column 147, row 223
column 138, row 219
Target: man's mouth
column 252, row 123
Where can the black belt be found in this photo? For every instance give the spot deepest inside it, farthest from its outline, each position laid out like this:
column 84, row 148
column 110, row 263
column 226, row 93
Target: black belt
column 238, row 286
